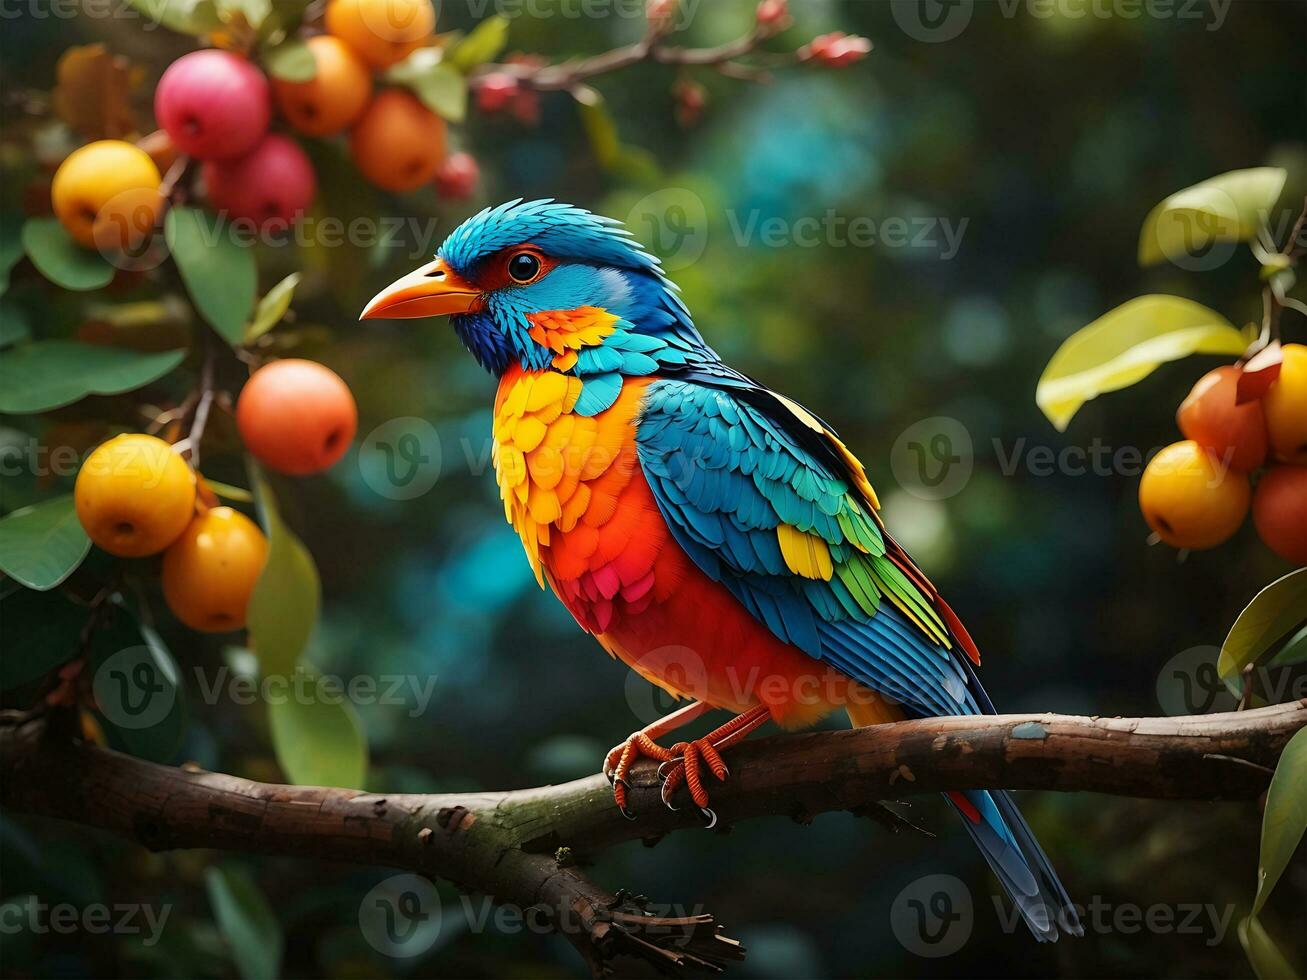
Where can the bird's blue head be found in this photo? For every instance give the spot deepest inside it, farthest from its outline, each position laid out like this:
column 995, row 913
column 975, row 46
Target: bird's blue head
column 548, row 286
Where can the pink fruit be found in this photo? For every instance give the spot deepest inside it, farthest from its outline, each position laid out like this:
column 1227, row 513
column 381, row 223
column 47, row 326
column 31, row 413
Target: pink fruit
column 272, row 183
column 213, row 104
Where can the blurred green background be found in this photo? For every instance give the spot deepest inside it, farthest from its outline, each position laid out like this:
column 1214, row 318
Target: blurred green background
column 1046, row 140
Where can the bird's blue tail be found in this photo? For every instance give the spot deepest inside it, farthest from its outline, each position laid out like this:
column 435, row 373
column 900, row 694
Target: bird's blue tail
column 1009, row 845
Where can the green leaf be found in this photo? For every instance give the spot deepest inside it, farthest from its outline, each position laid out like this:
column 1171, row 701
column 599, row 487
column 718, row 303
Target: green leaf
column 229, row 492
column 11, row 245
column 38, row 632
column 219, row 274
column 48, row 374
column 271, row 308
column 316, row 734
column 41, row 545
column 601, row 128
column 1275, row 614
column 283, row 609
column 15, row 325
column 1266, row 959
column 1293, row 652
column 1223, row 209
column 246, row 921
column 287, row 15
column 1125, row 346
column 61, row 260
column 193, row 17
column 1285, row 817
column 291, row 61
column 439, row 86
column 255, row 12
column 484, row 44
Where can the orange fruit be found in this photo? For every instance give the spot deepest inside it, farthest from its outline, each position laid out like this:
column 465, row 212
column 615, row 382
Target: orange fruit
column 1280, row 511
column 381, row 32
column 1234, row 434
column 94, row 175
column 335, row 96
column 398, row 144
column 134, row 495
column 1190, row 499
column 296, row 416
column 209, row 573
column 1285, row 406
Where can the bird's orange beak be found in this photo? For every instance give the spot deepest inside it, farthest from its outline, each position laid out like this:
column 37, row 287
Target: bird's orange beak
column 433, row 290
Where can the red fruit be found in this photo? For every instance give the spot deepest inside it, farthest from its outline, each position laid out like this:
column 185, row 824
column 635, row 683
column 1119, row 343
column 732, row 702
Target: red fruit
column 213, row 104
column 296, row 416
column 272, row 183
column 496, row 92
column 1234, row 434
column 1280, row 511
column 458, row 176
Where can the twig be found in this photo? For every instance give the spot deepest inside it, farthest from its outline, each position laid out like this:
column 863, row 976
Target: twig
column 203, row 403
column 568, row 75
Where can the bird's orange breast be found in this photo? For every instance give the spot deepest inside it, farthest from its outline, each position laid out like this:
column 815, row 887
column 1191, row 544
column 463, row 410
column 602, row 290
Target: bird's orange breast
column 574, row 491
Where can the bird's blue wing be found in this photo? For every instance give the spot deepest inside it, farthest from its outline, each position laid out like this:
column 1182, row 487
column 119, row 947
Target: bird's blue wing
column 790, row 534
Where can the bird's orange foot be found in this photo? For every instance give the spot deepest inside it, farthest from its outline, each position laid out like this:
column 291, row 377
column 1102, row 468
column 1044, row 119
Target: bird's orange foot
column 622, row 756
column 689, row 759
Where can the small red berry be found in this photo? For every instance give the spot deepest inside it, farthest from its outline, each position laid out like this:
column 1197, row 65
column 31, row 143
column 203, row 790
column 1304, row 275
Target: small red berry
column 837, row 49
column 773, row 13
column 496, row 92
column 458, row 176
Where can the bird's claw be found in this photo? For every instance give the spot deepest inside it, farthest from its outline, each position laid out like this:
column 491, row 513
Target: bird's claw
column 621, row 757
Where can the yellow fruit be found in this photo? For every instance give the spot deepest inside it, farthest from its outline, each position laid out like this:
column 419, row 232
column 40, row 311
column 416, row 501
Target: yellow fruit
column 127, row 220
column 210, row 571
column 1190, row 500
column 335, row 96
column 94, row 175
column 134, row 495
column 381, row 32
column 1285, row 406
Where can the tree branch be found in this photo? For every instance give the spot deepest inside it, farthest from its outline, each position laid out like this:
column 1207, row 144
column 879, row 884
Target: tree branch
column 521, row 846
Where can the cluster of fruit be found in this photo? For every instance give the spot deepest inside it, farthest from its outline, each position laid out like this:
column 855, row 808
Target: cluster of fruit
column 216, row 106
column 136, row 495
column 1196, row 493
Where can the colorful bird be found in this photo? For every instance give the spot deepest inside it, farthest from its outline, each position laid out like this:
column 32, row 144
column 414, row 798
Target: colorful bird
column 709, row 532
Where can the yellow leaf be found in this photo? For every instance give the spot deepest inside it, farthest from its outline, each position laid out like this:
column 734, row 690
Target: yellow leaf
column 1227, row 208
column 1125, row 346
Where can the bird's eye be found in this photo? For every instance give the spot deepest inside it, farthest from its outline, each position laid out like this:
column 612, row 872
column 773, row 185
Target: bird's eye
column 524, row 266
